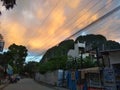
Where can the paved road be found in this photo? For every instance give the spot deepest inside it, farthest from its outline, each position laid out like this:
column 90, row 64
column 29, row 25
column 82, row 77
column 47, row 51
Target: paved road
column 27, row 84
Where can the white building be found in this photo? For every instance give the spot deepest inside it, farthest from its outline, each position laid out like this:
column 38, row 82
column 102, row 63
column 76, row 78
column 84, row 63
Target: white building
column 111, row 57
column 111, row 61
column 78, row 49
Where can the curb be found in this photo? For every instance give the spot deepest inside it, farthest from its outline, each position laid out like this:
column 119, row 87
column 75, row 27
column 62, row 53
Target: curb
column 3, row 86
column 51, row 86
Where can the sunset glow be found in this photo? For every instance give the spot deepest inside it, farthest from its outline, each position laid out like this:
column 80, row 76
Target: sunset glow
column 41, row 24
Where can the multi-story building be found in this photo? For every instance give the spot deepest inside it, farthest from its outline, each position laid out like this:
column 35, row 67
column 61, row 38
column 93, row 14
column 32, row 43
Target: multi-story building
column 111, row 72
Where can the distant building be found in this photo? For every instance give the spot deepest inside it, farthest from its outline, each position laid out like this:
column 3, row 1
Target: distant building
column 78, row 49
column 111, row 59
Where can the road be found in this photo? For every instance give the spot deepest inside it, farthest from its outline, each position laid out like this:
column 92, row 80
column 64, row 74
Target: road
column 27, row 84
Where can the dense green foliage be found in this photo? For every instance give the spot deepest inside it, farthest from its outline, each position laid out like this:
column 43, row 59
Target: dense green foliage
column 89, row 62
column 92, row 41
column 52, row 61
column 112, row 45
column 9, row 3
column 18, row 55
column 15, row 56
column 31, row 67
column 53, row 64
column 77, row 63
column 59, row 51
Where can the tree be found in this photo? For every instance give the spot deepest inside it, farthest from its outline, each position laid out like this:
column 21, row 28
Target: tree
column 16, row 55
column 92, row 40
column 111, row 45
column 8, row 4
column 2, row 61
column 88, row 62
column 50, row 60
column 58, row 51
column 53, row 64
column 31, row 67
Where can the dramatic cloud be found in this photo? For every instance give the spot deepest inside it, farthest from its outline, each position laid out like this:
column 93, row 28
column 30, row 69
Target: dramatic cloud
column 41, row 24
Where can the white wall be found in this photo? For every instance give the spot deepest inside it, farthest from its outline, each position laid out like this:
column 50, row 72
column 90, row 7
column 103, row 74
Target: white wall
column 74, row 52
column 114, row 57
column 49, row 77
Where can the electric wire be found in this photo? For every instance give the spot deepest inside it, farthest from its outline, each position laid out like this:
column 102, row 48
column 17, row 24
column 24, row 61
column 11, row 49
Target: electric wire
column 96, row 12
column 88, row 17
column 75, row 20
column 76, row 32
column 83, row 13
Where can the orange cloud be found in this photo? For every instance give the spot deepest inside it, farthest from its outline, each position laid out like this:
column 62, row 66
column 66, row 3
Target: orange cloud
column 73, row 3
column 39, row 14
column 13, row 32
column 86, row 19
column 56, row 20
column 26, row 25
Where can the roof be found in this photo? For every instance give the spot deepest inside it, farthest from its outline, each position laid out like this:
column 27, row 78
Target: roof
column 92, row 69
column 107, row 51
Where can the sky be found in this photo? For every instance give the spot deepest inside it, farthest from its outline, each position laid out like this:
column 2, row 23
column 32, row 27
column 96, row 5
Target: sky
column 41, row 24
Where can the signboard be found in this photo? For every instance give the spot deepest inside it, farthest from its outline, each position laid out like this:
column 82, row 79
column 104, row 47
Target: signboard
column 9, row 70
column 94, row 80
column 73, row 75
column 109, row 88
column 109, row 79
column 117, row 75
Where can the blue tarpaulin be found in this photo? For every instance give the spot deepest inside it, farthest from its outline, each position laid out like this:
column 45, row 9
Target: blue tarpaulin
column 72, row 83
column 9, row 70
column 85, row 86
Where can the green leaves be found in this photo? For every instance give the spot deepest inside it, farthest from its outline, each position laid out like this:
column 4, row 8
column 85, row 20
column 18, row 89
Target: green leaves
column 9, row 3
column 51, row 60
column 77, row 63
column 53, row 64
column 31, row 67
column 88, row 62
column 16, row 55
column 110, row 45
column 59, row 51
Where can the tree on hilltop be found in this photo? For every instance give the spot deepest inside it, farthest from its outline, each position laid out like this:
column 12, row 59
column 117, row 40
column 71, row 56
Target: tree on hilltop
column 9, row 4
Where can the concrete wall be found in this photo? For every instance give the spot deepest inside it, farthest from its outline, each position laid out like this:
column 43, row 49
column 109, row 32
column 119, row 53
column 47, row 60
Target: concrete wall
column 114, row 57
column 49, row 77
column 74, row 52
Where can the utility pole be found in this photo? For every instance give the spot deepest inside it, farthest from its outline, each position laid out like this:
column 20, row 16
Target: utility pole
column 97, row 57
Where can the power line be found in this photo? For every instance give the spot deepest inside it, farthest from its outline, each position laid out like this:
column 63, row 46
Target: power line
column 68, row 24
column 43, row 21
column 91, row 15
column 101, row 18
column 83, row 13
column 88, row 18
column 73, row 15
column 50, row 12
column 104, row 16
